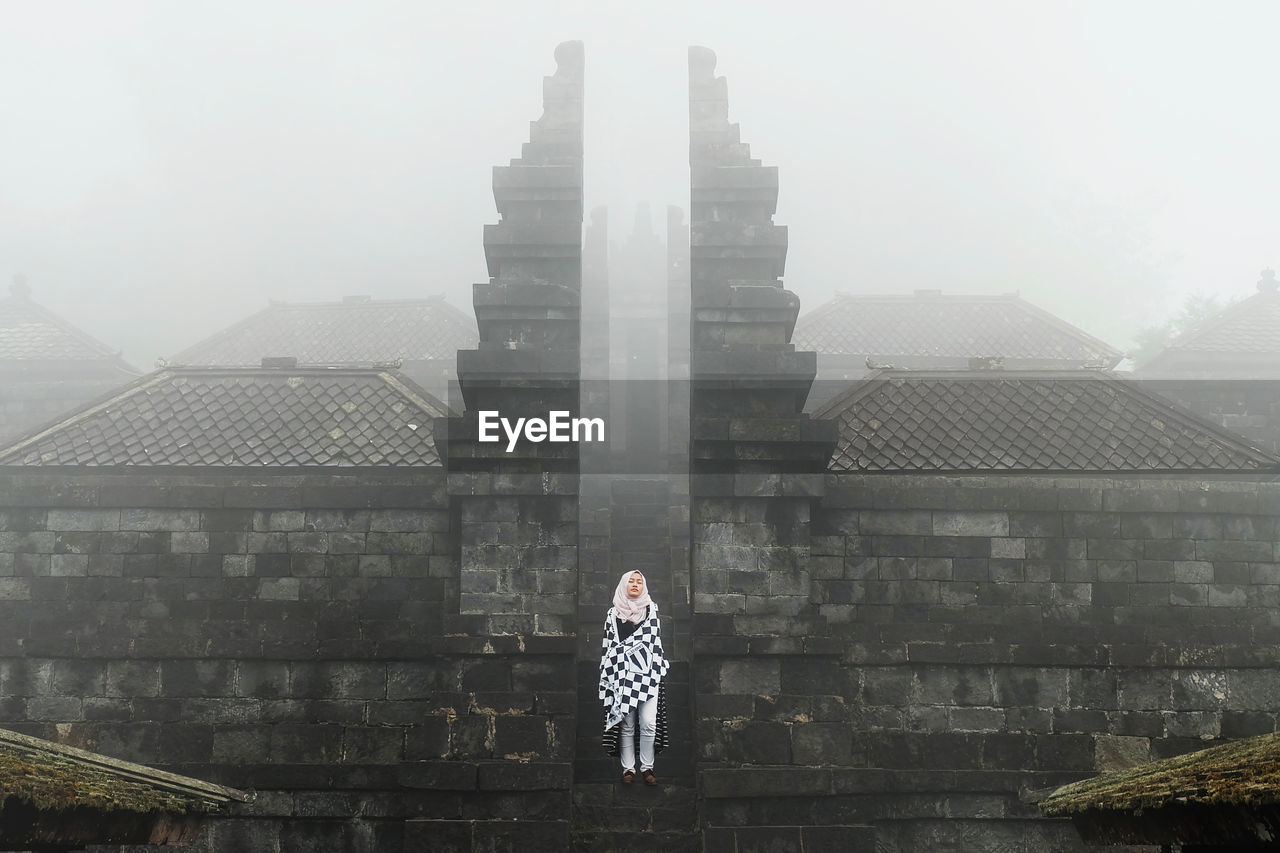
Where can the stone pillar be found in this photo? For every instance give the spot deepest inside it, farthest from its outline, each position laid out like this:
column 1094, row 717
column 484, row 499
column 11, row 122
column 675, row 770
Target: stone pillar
column 763, row 662
column 757, row 460
column 518, row 509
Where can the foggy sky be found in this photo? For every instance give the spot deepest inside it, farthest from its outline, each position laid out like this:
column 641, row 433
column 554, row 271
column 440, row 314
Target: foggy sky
column 166, row 168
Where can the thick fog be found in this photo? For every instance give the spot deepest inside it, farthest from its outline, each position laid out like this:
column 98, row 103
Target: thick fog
column 167, row 168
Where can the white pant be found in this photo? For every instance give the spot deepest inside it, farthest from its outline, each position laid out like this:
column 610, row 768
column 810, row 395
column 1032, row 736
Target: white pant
column 648, row 729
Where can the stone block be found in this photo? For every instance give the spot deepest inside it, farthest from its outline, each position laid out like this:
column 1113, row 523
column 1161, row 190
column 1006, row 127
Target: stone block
column 83, row 519
column 1065, row 752
column 68, row 565
column 1035, row 525
column 1231, row 573
column 262, row 679
column 1134, row 500
column 1009, row 547
column 1235, row 551
column 957, row 546
column 750, row 677
column 518, row 776
column 244, row 744
column 238, row 565
column 975, row 719
column 895, row 522
column 1145, row 689
column 970, row 524
column 1200, row 725
column 196, row 678
column 159, row 520
column 132, row 679
column 1169, row 549
column 278, row 589
column 1091, row 525
column 382, row 745
column 765, row 782
column 1227, row 595
column 1113, row 753
column 1114, row 549
column 1189, row 594
column 189, row 542
column 301, row 743
column 80, row 678
column 1238, row 724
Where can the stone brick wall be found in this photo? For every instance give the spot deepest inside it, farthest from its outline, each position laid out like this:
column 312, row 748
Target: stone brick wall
column 967, row 640
column 297, row 635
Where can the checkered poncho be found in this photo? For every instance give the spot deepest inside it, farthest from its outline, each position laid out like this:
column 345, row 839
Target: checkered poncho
column 631, row 670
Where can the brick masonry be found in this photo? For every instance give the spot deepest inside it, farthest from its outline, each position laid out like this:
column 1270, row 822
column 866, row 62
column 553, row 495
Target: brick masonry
column 288, row 634
column 950, row 644
column 967, row 640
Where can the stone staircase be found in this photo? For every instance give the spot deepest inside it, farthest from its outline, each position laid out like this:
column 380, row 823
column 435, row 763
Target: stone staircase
column 610, row 816
column 607, row 815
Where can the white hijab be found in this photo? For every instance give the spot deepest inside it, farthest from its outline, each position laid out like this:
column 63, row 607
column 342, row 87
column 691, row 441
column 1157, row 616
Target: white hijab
column 628, row 608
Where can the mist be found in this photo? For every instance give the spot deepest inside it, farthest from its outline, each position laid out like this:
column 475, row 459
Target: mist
column 169, row 168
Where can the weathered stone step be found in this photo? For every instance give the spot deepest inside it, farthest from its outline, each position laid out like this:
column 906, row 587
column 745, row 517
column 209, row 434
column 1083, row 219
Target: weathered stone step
column 636, row 842
column 636, row 817
column 789, row 839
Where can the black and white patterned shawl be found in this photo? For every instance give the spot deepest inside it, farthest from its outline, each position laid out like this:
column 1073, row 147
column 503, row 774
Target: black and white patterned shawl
column 631, row 670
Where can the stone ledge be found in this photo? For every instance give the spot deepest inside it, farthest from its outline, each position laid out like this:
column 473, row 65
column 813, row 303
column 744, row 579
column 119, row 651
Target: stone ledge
column 765, row 781
column 464, row 836
column 506, row 644
column 744, row 645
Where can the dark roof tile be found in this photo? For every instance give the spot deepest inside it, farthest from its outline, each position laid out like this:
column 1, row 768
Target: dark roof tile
column 30, row 332
column 1249, row 326
column 1237, row 773
column 947, row 327
column 55, row 777
column 259, row 417
column 1019, row 421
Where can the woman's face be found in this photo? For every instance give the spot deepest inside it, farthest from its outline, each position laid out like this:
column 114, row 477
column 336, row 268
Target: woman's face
column 635, row 585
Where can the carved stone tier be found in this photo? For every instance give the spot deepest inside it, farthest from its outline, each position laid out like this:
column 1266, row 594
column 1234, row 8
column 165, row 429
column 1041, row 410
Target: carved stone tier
column 748, row 382
column 527, row 361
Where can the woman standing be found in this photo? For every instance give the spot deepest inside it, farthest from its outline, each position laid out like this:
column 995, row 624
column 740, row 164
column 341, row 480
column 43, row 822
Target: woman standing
column 631, row 671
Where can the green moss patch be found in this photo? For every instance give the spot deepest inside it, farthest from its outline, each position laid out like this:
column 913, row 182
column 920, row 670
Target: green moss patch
column 54, row 783
column 1243, row 772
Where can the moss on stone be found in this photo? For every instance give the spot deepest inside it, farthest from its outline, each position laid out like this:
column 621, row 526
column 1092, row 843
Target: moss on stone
column 1243, row 772
column 53, row 783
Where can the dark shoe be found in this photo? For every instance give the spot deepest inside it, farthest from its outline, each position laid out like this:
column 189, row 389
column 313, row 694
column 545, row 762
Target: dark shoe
column 627, row 776
column 649, row 778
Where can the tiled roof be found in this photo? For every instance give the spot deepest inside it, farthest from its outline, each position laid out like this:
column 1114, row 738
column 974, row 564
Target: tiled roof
column 1023, row 421
column 929, row 324
column 354, row 331
column 30, row 332
column 1237, row 773
column 257, row 417
column 1249, row 326
column 55, row 777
